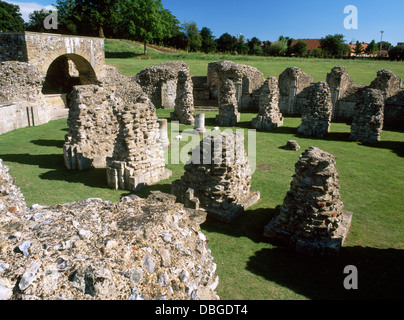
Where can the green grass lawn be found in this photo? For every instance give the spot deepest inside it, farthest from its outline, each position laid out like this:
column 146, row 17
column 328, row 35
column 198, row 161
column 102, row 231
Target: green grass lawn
column 361, row 71
column 372, row 185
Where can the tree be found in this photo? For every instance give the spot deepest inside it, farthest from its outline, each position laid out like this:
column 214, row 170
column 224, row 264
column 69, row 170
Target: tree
column 333, row 45
column 358, row 48
column 371, row 48
column 278, row 48
column 385, row 45
column 241, row 46
column 10, row 18
column 255, row 46
column 396, row 53
column 226, row 43
column 208, row 40
column 87, row 17
column 144, row 20
column 193, row 38
column 299, row 49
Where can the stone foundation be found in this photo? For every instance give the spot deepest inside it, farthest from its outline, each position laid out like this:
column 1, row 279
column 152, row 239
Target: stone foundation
column 312, row 220
column 217, row 178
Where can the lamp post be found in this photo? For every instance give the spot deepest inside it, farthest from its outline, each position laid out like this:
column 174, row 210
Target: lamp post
column 381, row 44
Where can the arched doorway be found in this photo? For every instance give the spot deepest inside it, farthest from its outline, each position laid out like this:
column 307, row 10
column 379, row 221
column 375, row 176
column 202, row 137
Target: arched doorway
column 67, row 71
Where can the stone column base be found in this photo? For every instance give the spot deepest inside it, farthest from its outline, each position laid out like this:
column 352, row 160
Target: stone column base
column 321, row 247
column 120, row 176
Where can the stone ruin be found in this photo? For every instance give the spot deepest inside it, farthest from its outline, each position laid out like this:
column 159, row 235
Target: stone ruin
column 93, row 127
column 228, row 110
column 11, row 198
column 137, row 249
column 138, row 157
column 387, row 82
column 312, row 220
column 246, row 80
column 269, row 116
column 293, row 89
column 317, row 112
column 367, row 123
column 169, row 86
column 217, row 178
column 21, row 101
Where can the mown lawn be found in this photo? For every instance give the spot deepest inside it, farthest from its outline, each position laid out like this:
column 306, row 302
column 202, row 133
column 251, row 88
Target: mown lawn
column 372, row 187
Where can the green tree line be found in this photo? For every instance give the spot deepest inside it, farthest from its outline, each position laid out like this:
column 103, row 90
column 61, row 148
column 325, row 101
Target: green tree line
column 149, row 22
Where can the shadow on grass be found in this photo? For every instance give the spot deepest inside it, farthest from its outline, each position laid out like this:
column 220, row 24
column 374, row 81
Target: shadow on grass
column 380, row 273
column 48, row 143
column 250, row 224
column 44, row 161
column 396, row 147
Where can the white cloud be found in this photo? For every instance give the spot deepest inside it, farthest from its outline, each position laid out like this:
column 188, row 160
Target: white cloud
column 27, row 7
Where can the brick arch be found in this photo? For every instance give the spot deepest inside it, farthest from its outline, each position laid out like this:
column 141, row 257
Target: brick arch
column 66, row 71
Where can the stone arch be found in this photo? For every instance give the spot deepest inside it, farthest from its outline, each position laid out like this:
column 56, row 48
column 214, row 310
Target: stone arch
column 67, row 71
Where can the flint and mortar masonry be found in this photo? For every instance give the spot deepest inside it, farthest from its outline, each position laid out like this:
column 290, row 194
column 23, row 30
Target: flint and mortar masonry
column 317, row 112
column 311, row 219
column 217, row 178
column 269, row 116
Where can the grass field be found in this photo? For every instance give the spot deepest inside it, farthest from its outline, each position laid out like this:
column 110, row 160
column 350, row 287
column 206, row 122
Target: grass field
column 372, row 184
column 361, row 71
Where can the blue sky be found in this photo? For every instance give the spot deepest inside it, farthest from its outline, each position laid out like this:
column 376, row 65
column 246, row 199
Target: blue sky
column 268, row 19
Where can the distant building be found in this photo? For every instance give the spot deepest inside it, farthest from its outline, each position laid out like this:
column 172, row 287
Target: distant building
column 311, row 44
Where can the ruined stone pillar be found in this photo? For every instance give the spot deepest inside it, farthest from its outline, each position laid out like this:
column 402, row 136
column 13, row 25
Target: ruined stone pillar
column 200, row 123
column 217, row 179
column 138, row 158
column 269, row 116
column 292, row 82
column 228, row 108
column 184, row 102
column 163, row 133
column 311, row 219
column 368, row 119
column 317, row 112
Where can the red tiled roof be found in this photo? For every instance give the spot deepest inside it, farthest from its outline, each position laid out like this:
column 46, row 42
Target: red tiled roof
column 311, row 43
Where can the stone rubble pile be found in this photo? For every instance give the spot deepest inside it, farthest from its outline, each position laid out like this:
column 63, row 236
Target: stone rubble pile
column 367, row 123
column 228, row 109
column 317, row 112
column 269, row 116
column 137, row 249
column 11, row 198
column 138, row 157
column 217, row 178
column 311, row 219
